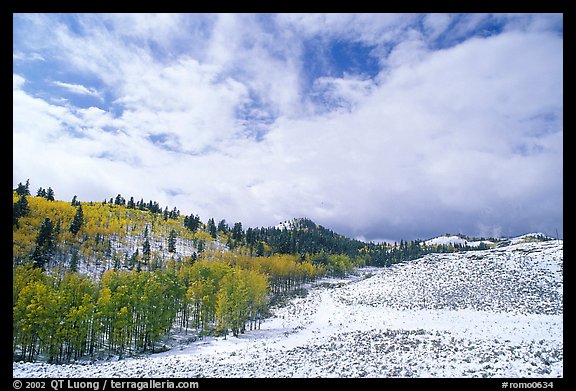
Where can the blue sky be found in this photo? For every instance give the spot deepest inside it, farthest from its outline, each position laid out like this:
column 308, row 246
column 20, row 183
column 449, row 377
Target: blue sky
column 379, row 126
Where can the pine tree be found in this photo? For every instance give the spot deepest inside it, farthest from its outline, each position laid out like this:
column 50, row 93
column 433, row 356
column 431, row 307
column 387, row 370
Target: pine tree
column 237, row 232
column 222, row 226
column 44, row 248
column 172, row 241
column 212, row 228
column 75, row 201
column 74, row 260
column 23, row 190
column 50, row 194
column 146, row 245
column 192, row 222
column 78, row 221
column 41, row 192
column 119, row 200
column 20, row 209
column 146, row 249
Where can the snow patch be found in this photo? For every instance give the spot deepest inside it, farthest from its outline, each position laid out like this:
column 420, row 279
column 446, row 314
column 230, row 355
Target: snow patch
column 490, row 313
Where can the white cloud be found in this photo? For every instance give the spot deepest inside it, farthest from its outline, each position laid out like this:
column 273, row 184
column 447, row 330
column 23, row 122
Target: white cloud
column 17, row 81
column 436, row 24
column 77, row 89
column 465, row 138
column 19, row 56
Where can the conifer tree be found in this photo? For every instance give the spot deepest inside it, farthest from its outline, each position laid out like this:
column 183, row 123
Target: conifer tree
column 74, row 260
column 119, row 200
column 212, row 228
column 172, row 241
column 146, row 249
column 222, row 226
column 78, row 221
column 20, row 209
column 192, row 222
column 50, row 194
column 237, row 232
column 44, row 244
column 23, row 189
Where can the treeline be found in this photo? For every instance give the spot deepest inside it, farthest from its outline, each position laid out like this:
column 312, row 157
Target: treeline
column 114, row 277
column 67, row 317
column 383, row 255
column 94, row 237
column 113, row 234
column 305, row 237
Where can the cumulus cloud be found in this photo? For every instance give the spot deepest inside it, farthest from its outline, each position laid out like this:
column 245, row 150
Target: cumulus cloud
column 459, row 130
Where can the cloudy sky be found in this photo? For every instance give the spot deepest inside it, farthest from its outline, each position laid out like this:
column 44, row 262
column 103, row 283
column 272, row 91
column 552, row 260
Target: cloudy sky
column 378, row 126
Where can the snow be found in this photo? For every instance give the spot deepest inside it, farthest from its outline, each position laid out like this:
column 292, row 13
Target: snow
column 455, row 240
column 490, row 313
column 459, row 240
column 288, row 224
column 530, row 236
column 446, row 240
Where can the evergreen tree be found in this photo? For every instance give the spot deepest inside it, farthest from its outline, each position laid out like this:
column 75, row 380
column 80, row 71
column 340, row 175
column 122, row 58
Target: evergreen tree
column 146, row 249
column 131, row 204
column 172, row 241
column 74, row 260
column 146, row 245
column 41, row 193
column 237, row 232
column 201, row 246
column 20, row 209
column 23, row 190
column 260, row 249
column 75, row 201
column 119, row 200
column 78, row 221
column 212, row 228
column 192, row 222
column 50, row 194
column 222, row 226
column 45, row 245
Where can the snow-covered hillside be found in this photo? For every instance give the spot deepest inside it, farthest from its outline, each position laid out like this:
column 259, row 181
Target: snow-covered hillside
column 455, row 240
column 464, row 241
column 291, row 224
column 491, row 313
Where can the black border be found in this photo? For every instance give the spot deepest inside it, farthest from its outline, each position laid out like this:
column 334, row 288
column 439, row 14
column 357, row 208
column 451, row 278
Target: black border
column 259, row 6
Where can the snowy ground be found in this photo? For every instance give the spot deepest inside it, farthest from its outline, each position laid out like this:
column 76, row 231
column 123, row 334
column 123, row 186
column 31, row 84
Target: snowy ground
column 493, row 313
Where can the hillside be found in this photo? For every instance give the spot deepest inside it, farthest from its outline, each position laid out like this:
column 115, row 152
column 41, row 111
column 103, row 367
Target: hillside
column 91, row 279
column 95, row 279
column 489, row 313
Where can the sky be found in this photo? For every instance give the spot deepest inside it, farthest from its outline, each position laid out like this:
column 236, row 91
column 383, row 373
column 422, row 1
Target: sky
column 380, row 127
